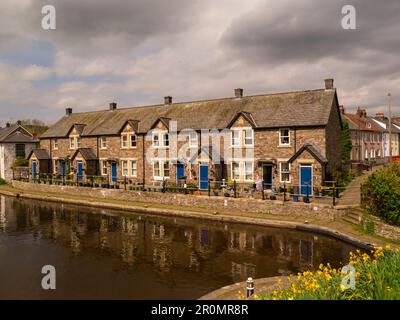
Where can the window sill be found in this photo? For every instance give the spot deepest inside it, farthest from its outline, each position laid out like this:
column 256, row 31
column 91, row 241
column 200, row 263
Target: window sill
column 284, row 146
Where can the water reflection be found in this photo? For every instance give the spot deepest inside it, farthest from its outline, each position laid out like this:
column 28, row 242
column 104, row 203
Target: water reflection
column 184, row 258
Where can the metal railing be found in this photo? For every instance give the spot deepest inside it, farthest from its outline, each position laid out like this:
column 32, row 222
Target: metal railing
column 225, row 188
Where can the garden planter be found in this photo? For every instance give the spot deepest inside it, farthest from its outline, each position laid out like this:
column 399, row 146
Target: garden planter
column 216, row 193
column 272, row 197
column 295, row 198
column 306, row 200
column 227, row 195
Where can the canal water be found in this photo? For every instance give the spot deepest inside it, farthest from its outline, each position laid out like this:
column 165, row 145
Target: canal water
column 105, row 254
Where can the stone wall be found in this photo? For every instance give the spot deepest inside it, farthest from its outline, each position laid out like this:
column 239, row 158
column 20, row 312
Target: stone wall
column 380, row 228
column 191, row 201
column 8, row 156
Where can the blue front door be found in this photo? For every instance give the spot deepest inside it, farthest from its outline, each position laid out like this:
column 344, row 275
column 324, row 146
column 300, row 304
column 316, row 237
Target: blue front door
column 34, row 169
column 203, row 177
column 306, row 180
column 63, row 168
column 80, row 171
column 114, row 172
column 180, row 171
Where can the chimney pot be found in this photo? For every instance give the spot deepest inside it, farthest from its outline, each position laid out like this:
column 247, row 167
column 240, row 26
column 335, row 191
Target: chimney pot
column 68, row 111
column 19, row 122
column 342, row 110
column 8, row 125
column 168, row 100
column 328, row 84
column 380, row 116
column 238, row 92
column 113, row 106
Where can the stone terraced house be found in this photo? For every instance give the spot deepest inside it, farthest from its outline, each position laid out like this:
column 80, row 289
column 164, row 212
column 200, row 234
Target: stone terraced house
column 15, row 142
column 291, row 138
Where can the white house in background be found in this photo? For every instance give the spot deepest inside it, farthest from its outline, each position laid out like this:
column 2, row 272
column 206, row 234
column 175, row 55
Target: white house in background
column 15, row 142
column 383, row 122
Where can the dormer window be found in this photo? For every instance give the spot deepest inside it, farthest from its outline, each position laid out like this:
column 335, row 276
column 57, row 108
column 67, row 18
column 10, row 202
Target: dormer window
column 284, row 137
column 235, row 138
column 133, row 141
column 242, row 137
column 128, row 140
column 160, row 139
column 248, row 137
column 124, row 141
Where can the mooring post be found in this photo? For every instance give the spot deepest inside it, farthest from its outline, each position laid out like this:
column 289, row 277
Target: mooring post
column 250, row 287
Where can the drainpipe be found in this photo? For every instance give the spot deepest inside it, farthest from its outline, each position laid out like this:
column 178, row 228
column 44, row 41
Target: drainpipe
column 144, row 160
column 98, row 155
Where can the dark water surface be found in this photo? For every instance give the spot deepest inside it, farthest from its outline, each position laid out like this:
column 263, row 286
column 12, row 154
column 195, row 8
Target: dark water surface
column 105, row 254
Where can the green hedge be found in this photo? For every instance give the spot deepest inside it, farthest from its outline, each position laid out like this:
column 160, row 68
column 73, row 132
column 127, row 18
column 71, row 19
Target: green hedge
column 380, row 194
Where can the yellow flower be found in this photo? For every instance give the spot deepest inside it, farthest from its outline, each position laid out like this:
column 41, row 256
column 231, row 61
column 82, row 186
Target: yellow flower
column 342, row 287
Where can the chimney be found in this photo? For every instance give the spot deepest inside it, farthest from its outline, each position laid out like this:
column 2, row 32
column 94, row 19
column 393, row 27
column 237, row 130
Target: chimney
column 167, row 100
column 8, row 125
column 361, row 112
column 68, row 111
column 380, row 116
column 113, row 106
column 341, row 109
column 239, row 93
column 329, row 84
column 19, row 122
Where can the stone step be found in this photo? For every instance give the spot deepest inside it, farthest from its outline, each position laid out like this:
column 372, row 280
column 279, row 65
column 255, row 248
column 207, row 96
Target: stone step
column 352, row 219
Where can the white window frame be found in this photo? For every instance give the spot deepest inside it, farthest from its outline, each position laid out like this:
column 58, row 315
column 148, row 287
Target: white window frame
column 282, row 172
column 156, row 145
column 131, row 166
column 284, row 136
column 103, row 167
column 103, row 143
column 132, row 138
column 245, row 170
column 193, row 137
column 232, row 170
column 245, row 137
column 72, row 143
column 124, row 168
column 233, row 139
column 55, row 144
column 55, row 166
column 161, row 170
column 124, row 141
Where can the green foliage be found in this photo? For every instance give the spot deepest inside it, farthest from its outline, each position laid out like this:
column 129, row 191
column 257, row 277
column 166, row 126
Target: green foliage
column 346, row 142
column 2, row 182
column 381, row 194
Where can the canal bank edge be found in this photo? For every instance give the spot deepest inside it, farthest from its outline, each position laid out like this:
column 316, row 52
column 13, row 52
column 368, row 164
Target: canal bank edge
column 21, row 190
column 238, row 290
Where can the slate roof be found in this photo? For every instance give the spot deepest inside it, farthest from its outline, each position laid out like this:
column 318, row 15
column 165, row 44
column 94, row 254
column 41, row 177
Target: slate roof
column 291, row 109
column 87, row 154
column 13, row 135
column 314, row 152
column 41, row 154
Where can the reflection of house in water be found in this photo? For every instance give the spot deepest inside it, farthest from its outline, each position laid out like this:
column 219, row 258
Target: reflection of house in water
column 174, row 245
column 3, row 218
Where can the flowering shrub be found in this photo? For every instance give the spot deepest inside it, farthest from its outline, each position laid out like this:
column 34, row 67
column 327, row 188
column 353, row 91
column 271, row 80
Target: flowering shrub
column 377, row 278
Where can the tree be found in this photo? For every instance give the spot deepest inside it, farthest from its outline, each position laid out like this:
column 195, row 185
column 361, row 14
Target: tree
column 346, row 142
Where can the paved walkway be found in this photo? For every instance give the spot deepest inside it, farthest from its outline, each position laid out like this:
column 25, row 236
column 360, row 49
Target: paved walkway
column 352, row 195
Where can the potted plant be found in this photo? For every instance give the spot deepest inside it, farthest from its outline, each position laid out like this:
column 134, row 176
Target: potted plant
column 295, row 198
column 272, row 197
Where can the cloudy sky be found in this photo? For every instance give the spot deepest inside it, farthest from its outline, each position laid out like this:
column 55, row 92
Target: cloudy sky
column 135, row 52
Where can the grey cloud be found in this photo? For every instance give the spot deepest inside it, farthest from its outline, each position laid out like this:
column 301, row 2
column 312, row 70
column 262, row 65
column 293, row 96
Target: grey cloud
column 104, row 26
column 311, row 30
